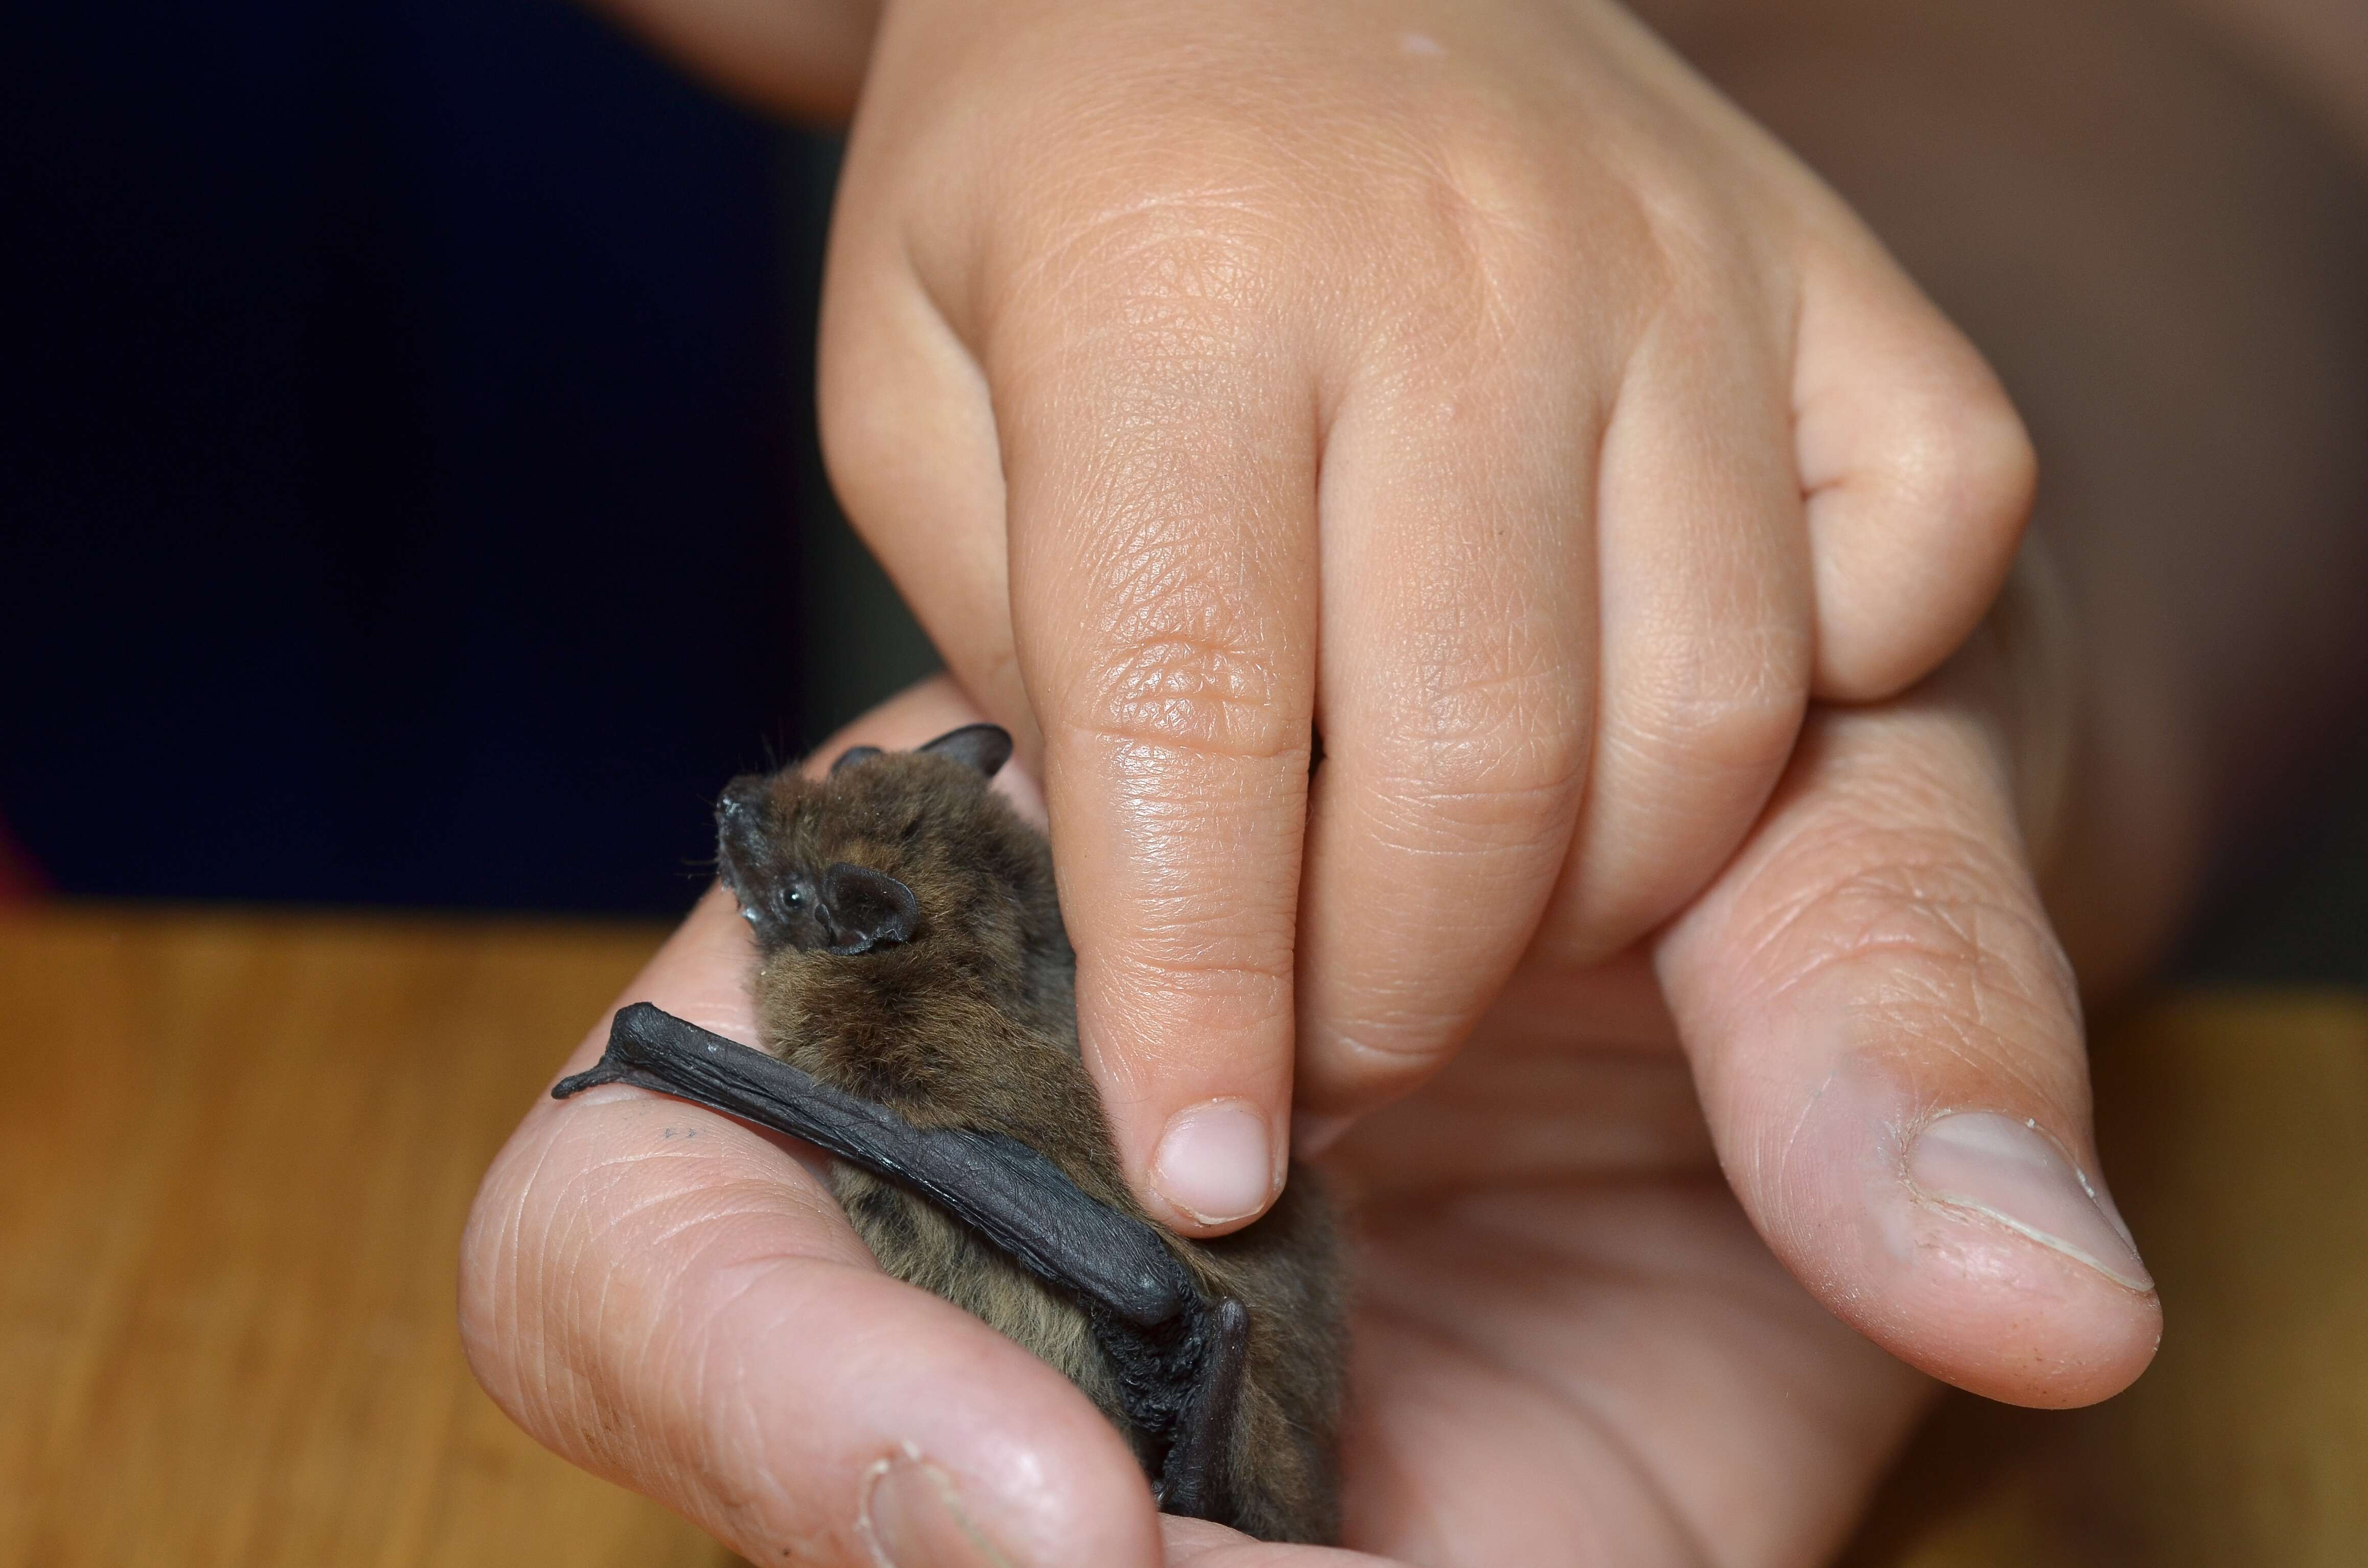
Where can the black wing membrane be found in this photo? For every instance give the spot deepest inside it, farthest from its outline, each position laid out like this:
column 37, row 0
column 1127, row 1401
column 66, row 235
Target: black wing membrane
column 1013, row 1195
column 1177, row 1355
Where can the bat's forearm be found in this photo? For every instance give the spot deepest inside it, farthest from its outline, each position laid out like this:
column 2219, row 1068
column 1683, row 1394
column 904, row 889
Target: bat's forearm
column 1018, row 1199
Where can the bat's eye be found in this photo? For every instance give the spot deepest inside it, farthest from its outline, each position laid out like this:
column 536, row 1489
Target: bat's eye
column 795, row 898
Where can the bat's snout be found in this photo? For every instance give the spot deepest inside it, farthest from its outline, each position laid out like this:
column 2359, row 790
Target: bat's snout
column 739, row 824
column 743, row 799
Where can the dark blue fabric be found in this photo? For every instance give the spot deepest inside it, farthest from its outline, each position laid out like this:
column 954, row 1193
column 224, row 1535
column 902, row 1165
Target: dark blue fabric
column 399, row 455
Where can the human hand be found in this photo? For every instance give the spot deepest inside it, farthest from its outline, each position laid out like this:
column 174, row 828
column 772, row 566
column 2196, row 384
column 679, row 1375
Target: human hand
column 1571, row 1344
column 1467, row 383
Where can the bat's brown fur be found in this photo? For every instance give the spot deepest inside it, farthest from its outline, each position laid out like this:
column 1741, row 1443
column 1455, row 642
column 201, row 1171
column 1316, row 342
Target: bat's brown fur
column 972, row 1023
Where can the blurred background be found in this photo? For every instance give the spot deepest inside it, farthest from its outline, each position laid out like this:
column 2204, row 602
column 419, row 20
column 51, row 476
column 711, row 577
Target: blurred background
column 407, row 474
column 408, row 487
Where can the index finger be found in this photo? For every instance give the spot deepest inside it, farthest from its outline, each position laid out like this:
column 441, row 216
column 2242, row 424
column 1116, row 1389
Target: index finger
column 1160, row 463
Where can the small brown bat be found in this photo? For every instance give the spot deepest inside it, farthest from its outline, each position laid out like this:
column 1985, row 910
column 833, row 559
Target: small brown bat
column 918, row 989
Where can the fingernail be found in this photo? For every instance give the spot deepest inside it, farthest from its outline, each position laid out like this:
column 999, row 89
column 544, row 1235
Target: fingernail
column 913, row 1518
column 1214, row 1162
column 2009, row 1172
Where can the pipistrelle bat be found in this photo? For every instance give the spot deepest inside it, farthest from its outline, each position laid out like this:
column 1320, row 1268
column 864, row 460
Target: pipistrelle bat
column 915, row 992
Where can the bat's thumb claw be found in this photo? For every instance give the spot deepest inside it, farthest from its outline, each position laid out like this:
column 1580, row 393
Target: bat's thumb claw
column 591, row 1078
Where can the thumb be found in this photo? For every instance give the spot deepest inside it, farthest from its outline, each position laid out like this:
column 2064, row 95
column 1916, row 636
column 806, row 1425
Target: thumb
column 1887, row 1040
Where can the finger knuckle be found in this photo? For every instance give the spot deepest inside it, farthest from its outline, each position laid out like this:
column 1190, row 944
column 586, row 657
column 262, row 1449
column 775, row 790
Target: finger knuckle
column 1938, row 930
column 1388, row 1036
column 1968, row 462
column 1179, row 677
column 1209, row 958
column 1170, row 261
column 1494, row 748
column 1481, row 242
column 1177, row 984
column 1492, row 209
column 1712, row 710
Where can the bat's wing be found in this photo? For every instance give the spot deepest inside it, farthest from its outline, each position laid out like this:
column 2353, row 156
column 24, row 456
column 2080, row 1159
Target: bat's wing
column 1178, row 1357
column 1010, row 1194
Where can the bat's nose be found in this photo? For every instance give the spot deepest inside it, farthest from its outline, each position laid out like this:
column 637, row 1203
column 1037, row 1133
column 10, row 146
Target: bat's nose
column 740, row 800
column 739, row 824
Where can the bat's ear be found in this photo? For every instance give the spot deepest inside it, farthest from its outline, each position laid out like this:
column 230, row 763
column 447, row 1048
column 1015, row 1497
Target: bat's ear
column 865, row 909
column 852, row 755
column 985, row 746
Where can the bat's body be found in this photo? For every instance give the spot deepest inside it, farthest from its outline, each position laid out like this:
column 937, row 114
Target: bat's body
column 914, row 957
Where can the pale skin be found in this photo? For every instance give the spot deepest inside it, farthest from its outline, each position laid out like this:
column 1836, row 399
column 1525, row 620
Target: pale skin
column 1478, row 385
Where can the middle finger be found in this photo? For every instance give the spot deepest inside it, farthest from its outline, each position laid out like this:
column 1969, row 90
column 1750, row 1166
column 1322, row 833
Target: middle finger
column 1455, row 679
column 1706, row 608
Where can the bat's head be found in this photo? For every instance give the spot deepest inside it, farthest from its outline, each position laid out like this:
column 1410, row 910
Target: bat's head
column 865, row 859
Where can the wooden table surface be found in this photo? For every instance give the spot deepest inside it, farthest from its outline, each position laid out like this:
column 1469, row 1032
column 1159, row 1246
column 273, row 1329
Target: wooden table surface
column 235, row 1152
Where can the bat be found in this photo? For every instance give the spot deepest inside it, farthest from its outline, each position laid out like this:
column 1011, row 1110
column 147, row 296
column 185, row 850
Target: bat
column 915, row 996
